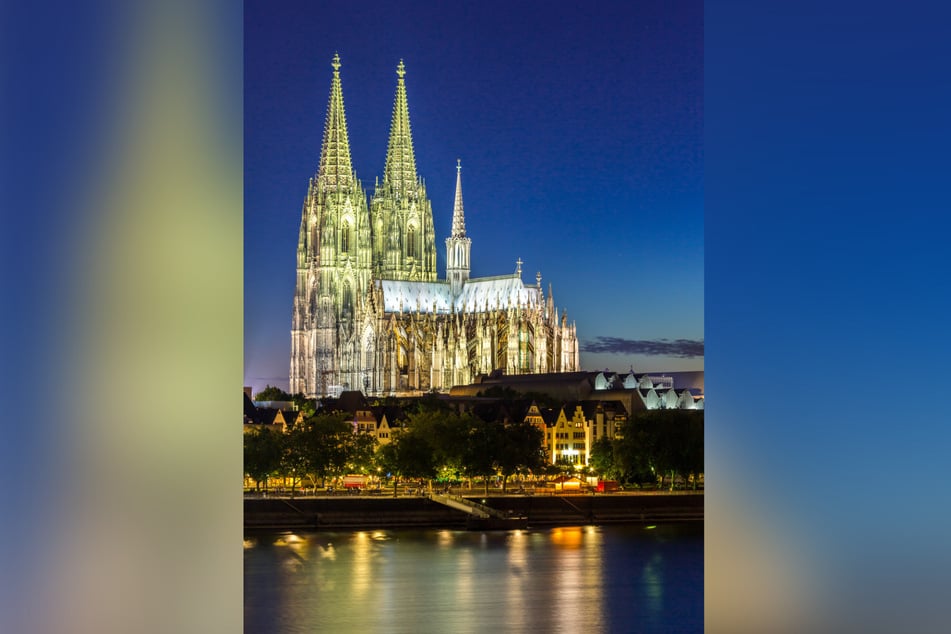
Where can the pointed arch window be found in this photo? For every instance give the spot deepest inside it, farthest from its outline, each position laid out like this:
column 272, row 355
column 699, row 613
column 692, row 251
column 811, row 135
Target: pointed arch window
column 345, row 238
column 411, row 242
column 347, row 303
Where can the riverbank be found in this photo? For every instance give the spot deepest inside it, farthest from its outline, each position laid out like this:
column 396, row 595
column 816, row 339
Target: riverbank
column 356, row 513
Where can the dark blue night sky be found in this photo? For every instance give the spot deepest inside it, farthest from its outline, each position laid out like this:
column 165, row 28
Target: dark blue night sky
column 580, row 134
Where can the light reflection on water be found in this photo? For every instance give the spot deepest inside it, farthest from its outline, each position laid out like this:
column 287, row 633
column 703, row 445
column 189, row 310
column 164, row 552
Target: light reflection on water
column 590, row 579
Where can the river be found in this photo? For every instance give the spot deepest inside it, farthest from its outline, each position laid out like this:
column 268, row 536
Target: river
column 629, row 578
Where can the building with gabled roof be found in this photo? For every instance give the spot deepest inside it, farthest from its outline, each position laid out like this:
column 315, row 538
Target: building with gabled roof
column 269, row 417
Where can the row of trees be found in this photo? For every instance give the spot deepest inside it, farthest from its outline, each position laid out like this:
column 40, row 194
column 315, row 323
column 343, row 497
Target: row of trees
column 454, row 446
column 324, row 446
column 435, row 444
column 656, row 443
column 440, row 443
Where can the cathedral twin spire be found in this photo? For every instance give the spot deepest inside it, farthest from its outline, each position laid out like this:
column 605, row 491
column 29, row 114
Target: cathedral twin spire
column 404, row 245
column 400, row 170
column 401, row 229
column 335, row 171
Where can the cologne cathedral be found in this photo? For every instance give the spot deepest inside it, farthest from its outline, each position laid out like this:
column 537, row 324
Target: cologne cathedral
column 369, row 309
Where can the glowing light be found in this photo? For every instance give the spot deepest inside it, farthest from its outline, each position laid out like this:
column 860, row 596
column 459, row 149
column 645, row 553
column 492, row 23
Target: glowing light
column 569, row 537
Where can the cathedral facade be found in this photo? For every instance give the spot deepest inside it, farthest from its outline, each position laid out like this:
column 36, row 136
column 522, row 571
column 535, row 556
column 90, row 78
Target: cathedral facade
column 369, row 310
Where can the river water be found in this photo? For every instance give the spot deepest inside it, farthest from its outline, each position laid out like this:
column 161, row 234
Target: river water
column 587, row 579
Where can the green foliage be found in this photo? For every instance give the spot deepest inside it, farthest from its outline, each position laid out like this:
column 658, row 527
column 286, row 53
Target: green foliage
column 361, row 452
column 519, row 450
column 262, row 453
column 294, row 455
column 482, row 443
column 327, row 443
column 602, row 460
column 271, row 393
column 325, row 446
column 409, row 455
column 474, row 444
column 659, row 442
column 306, row 405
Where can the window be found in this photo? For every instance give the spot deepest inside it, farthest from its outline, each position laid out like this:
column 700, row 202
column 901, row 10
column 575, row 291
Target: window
column 345, row 238
column 347, row 299
column 411, row 242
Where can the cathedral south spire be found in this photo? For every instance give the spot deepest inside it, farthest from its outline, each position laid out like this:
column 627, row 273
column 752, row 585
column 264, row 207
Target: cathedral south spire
column 333, row 261
column 457, row 244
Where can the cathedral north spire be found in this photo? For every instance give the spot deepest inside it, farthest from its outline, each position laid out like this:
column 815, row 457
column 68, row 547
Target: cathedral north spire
column 335, row 170
column 400, row 170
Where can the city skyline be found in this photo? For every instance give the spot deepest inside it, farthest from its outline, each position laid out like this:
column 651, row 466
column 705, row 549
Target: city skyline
column 588, row 171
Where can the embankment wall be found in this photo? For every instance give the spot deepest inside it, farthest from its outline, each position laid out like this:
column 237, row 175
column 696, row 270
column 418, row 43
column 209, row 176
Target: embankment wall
column 355, row 513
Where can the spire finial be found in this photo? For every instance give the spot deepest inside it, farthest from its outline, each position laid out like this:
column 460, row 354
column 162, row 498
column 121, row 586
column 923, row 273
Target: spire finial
column 518, row 264
column 458, row 165
column 400, row 70
column 336, row 63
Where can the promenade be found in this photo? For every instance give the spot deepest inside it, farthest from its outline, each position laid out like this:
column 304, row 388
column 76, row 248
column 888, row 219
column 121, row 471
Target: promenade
column 355, row 512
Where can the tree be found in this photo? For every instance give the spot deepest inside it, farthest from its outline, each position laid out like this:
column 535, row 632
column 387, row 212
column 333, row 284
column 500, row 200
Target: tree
column 410, row 455
column 662, row 443
column 602, row 458
column 446, row 433
column 360, row 450
column 262, row 454
column 322, row 446
column 295, row 455
column 479, row 454
column 519, row 449
column 271, row 393
column 328, row 444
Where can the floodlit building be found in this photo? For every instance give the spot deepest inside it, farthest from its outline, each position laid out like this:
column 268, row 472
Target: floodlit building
column 369, row 310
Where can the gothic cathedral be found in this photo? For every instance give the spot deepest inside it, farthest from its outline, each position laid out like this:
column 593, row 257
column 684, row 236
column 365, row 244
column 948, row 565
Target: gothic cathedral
column 369, row 311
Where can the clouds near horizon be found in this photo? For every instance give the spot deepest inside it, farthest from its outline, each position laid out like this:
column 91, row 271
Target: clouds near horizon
column 680, row 348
